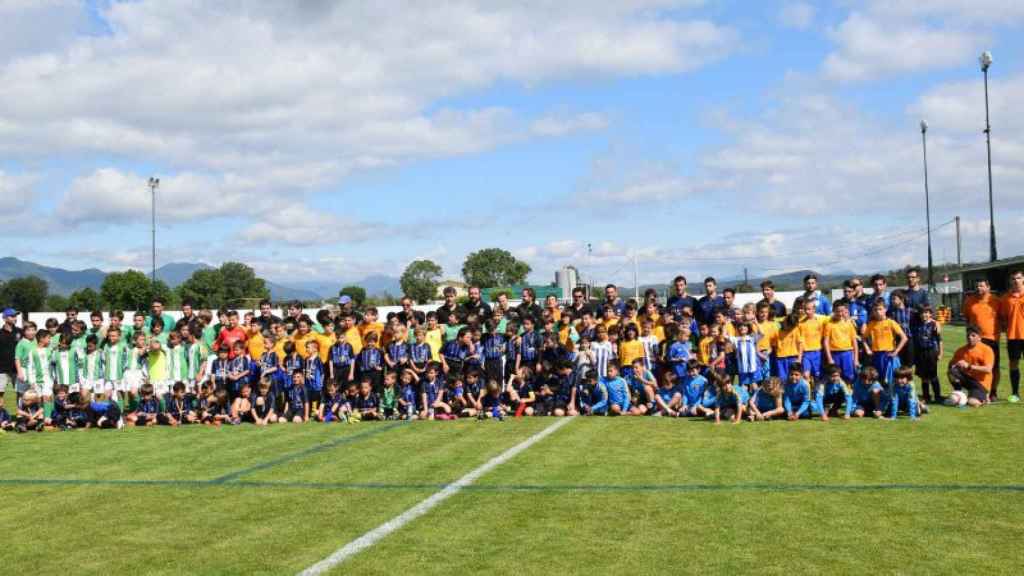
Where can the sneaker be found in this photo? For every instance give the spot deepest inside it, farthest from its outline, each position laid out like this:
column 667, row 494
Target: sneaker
column 120, row 424
column 1013, row 399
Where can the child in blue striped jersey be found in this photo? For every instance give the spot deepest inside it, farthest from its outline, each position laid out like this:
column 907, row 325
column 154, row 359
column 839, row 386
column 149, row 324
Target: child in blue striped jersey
column 797, row 395
column 869, row 395
column 728, row 404
column 669, row 399
column 904, row 398
column 834, row 393
column 766, row 402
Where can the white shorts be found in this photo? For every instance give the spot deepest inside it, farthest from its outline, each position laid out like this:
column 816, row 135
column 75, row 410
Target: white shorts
column 45, row 390
column 133, row 379
column 161, row 387
column 5, row 379
column 110, row 386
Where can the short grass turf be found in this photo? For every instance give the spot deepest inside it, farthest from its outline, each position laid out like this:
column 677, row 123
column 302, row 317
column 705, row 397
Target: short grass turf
column 636, row 496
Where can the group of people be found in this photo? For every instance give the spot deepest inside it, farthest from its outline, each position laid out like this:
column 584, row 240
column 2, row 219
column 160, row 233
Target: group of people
column 700, row 357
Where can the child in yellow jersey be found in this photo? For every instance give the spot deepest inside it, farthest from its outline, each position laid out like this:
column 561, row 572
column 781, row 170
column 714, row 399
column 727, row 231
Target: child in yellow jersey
column 884, row 339
column 765, row 326
column 812, row 327
column 787, row 346
column 610, row 319
column 630, row 349
column 434, row 336
column 841, row 348
column 704, row 343
column 370, row 324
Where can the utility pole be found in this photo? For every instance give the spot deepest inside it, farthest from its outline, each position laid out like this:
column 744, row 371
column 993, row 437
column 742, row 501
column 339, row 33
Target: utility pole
column 927, row 206
column 986, row 61
column 959, row 263
column 746, row 278
column 636, row 282
column 154, row 183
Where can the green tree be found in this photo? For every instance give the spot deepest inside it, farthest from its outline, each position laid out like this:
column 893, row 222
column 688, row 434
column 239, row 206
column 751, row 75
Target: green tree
column 56, row 303
column 241, row 283
column 27, row 294
column 420, row 279
column 133, row 290
column 86, row 299
column 205, row 288
column 356, row 293
column 494, row 267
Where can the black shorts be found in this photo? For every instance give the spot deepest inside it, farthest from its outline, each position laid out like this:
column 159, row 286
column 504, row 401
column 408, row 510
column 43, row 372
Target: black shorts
column 494, row 368
column 1014, row 349
column 994, row 346
column 907, row 354
column 926, row 363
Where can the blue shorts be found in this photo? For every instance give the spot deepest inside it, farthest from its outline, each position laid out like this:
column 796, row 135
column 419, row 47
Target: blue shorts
column 844, row 361
column 812, row 363
column 781, row 367
column 748, row 379
column 886, row 366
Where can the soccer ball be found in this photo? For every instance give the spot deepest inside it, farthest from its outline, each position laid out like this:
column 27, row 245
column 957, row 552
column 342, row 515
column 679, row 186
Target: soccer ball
column 956, row 398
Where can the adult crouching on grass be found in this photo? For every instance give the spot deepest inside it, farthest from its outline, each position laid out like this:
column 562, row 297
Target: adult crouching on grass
column 970, row 370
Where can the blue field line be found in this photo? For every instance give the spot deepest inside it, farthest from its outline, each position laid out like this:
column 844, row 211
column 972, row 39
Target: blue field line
column 307, row 451
column 500, row 488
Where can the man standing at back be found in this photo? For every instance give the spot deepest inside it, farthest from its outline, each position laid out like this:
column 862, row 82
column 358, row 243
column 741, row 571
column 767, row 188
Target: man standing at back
column 822, row 305
column 1011, row 314
column 777, row 308
column 709, row 303
column 679, row 298
column 981, row 309
column 9, row 336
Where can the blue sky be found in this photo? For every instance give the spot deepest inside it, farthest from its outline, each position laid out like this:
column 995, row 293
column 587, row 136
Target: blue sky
column 317, row 141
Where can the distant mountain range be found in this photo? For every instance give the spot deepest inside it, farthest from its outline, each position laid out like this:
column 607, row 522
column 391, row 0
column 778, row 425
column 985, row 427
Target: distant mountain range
column 65, row 282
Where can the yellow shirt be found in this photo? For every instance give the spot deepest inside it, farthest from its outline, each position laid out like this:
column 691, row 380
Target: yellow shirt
column 326, row 343
column 323, row 344
column 610, row 322
column 787, row 343
column 704, row 350
column 355, row 339
column 630, row 350
column 367, row 327
column 841, row 334
column 730, row 328
column 812, row 332
column 434, row 339
column 881, row 334
column 768, row 330
column 255, row 345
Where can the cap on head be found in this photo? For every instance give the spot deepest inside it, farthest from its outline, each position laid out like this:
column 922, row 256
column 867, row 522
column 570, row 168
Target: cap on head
column 344, row 300
column 9, row 312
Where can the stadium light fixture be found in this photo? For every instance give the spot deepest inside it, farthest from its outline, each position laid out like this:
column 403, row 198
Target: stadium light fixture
column 927, row 206
column 986, row 61
column 154, row 183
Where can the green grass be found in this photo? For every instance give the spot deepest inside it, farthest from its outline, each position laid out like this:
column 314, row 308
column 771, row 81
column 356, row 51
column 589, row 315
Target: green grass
column 629, row 496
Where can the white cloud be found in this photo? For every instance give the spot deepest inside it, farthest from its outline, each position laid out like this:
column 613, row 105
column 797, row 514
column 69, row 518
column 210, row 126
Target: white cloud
column 298, row 225
column 111, row 196
column 16, row 192
column 798, row 15
column 296, row 95
column 207, row 85
column 869, row 47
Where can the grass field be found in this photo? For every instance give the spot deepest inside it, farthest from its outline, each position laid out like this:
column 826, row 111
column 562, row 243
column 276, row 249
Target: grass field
column 630, row 496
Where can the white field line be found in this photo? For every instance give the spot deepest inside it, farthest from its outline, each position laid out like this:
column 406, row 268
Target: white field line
column 377, row 534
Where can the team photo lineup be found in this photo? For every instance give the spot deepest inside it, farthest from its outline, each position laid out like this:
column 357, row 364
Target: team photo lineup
column 872, row 353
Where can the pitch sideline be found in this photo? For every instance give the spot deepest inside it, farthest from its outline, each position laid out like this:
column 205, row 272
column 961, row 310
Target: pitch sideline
column 377, row 534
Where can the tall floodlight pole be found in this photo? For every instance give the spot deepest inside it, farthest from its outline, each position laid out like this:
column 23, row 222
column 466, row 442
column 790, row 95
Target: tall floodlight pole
column 986, row 62
column 154, row 183
column 927, row 205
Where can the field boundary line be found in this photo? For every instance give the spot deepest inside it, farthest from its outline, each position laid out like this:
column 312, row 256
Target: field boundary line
column 498, row 488
column 373, row 536
column 226, row 478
